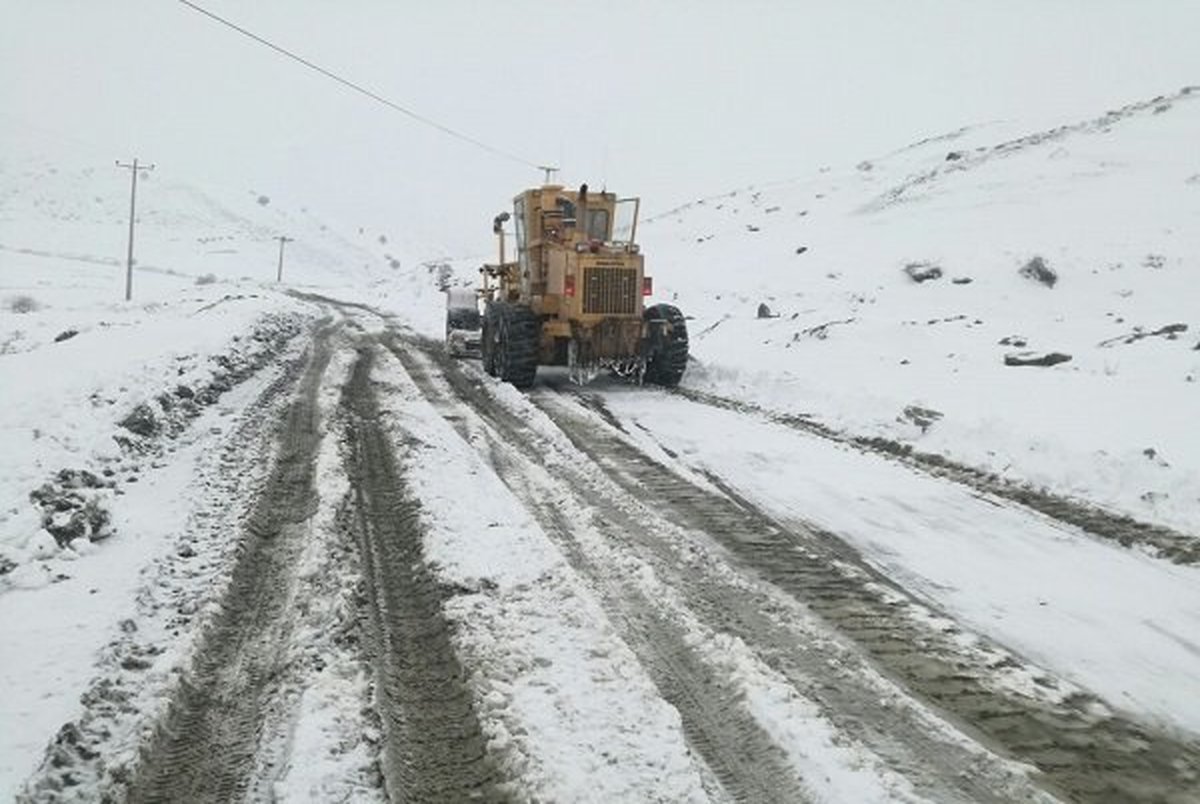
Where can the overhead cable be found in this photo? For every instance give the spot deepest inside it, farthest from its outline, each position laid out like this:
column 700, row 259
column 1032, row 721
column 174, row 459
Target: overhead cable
column 358, row 88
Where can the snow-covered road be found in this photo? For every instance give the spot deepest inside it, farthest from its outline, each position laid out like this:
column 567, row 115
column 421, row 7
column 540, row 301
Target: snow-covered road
column 391, row 576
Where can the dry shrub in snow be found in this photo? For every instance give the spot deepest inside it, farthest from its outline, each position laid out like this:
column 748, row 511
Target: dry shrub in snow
column 22, row 304
column 206, row 279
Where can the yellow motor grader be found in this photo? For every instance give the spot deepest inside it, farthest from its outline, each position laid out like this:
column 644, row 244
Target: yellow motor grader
column 575, row 295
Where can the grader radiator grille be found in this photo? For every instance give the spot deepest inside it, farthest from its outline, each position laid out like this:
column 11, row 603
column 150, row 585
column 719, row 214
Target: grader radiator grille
column 611, row 291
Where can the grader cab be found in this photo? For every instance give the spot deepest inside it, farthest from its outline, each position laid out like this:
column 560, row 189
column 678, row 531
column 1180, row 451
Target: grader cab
column 575, row 294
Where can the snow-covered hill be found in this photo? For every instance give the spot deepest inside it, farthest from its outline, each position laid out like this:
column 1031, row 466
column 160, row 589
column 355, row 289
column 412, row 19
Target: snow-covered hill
column 1110, row 205
column 76, row 360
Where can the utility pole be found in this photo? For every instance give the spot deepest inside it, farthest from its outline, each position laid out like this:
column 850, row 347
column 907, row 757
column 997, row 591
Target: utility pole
column 282, row 239
column 133, row 172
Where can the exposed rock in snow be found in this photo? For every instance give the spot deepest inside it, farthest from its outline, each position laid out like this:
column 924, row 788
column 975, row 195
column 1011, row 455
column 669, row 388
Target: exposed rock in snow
column 1035, row 358
column 922, row 271
column 1037, row 270
column 1170, row 332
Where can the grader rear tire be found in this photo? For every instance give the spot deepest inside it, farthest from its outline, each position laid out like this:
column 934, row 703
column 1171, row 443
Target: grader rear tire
column 668, row 360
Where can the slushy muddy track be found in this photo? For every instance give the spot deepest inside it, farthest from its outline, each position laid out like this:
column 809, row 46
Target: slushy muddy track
column 745, row 759
column 435, row 749
column 206, row 746
column 1081, row 750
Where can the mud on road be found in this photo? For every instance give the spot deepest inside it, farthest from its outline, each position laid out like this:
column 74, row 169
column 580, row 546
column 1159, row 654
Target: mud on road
column 205, row 748
column 1081, row 749
column 747, row 762
column 434, row 749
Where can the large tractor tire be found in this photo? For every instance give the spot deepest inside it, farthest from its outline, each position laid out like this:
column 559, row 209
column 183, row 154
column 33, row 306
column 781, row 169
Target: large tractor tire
column 668, row 353
column 490, row 334
column 511, row 338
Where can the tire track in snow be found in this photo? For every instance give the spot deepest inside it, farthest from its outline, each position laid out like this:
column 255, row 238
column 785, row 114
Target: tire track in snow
column 1157, row 540
column 94, row 751
column 1083, row 750
column 749, row 765
column 916, row 744
column 435, row 749
column 204, row 750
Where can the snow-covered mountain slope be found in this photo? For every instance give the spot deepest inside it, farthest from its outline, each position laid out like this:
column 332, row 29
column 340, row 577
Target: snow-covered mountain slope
column 59, row 210
column 1110, row 206
column 76, row 360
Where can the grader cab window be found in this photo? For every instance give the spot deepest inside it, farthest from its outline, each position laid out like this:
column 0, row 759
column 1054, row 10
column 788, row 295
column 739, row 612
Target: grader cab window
column 597, row 224
column 566, row 210
column 519, row 225
column 625, row 226
column 519, row 222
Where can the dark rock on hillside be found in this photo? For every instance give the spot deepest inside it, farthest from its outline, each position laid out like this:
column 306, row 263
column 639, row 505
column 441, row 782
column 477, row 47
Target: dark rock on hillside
column 141, row 421
column 71, row 506
column 922, row 271
column 1037, row 270
column 1035, row 358
column 1171, row 332
column 65, row 335
column 79, row 479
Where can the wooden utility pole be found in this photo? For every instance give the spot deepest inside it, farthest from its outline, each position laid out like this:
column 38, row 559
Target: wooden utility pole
column 282, row 239
column 133, row 172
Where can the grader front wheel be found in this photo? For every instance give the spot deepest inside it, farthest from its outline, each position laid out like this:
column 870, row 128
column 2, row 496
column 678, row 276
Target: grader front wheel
column 511, row 339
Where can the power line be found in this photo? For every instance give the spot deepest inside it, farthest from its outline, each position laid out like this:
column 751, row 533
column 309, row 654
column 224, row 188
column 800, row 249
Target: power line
column 357, row 88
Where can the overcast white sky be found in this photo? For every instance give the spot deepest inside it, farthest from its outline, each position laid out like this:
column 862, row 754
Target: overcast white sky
column 668, row 100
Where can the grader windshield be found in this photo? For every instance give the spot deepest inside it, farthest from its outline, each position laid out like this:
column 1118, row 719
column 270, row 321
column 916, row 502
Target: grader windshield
column 625, row 225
